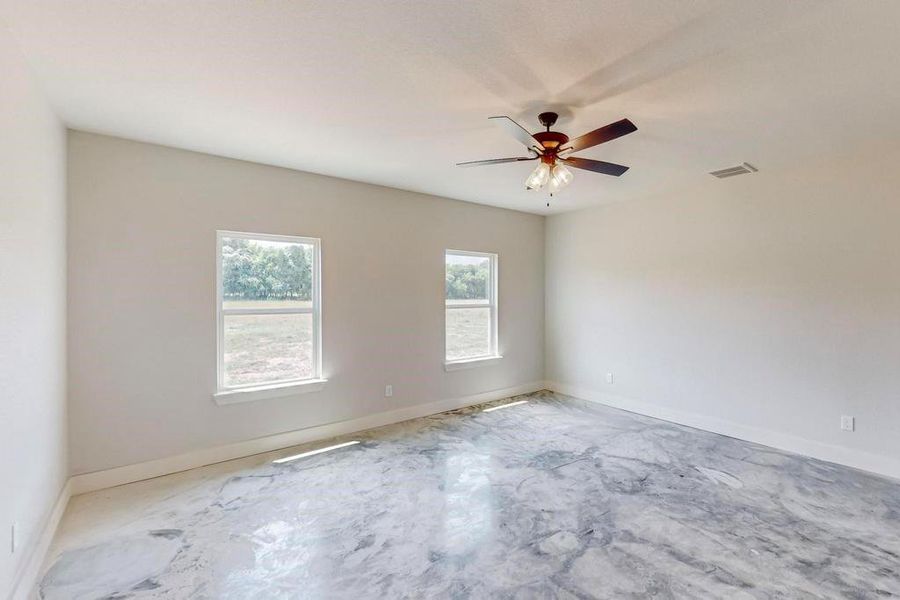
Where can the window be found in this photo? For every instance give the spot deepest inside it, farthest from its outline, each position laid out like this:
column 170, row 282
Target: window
column 269, row 310
column 470, row 306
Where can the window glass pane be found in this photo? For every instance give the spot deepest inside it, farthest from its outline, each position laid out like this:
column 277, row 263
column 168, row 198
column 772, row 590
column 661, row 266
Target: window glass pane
column 263, row 274
column 267, row 348
column 468, row 278
column 468, row 332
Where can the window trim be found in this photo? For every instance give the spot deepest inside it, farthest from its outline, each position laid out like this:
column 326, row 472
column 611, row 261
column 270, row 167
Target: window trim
column 492, row 302
column 239, row 393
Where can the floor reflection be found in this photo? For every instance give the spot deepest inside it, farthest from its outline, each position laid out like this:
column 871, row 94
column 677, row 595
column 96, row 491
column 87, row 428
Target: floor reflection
column 555, row 498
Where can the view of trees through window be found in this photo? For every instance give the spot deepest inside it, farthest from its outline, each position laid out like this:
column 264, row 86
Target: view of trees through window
column 266, row 271
column 467, row 281
column 255, row 270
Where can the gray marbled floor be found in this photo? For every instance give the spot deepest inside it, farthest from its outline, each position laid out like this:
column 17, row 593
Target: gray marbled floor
column 555, row 498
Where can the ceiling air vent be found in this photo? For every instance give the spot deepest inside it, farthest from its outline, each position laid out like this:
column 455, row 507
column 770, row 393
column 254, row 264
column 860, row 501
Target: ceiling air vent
column 732, row 171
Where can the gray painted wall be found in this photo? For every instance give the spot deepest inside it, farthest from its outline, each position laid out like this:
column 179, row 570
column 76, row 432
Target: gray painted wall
column 764, row 306
column 32, row 310
column 142, row 335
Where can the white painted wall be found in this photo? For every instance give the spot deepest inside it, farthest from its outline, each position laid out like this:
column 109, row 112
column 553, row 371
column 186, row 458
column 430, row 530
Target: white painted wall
column 765, row 306
column 142, row 338
column 32, row 311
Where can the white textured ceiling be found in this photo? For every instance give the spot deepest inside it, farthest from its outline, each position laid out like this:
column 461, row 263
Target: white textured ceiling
column 396, row 92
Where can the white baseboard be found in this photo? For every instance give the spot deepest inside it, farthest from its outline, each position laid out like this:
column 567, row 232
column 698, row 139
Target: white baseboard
column 26, row 580
column 858, row 459
column 98, row 480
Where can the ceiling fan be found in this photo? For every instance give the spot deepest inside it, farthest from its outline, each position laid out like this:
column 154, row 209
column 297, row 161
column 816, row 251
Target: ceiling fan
column 554, row 150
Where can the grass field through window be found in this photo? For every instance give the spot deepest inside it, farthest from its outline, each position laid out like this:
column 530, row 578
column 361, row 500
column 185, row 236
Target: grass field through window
column 267, row 348
column 468, row 332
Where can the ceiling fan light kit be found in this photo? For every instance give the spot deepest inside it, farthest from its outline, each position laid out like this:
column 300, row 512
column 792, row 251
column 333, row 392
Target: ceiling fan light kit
column 539, row 177
column 554, row 149
column 560, row 177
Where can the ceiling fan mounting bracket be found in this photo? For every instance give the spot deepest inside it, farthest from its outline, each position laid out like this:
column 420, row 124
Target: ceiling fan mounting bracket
column 548, row 119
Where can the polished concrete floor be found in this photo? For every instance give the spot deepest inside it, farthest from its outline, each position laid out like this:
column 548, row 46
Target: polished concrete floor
column 554, row 498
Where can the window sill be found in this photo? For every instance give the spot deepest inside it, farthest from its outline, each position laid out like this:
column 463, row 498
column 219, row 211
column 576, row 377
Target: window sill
column 470, row 363
column 249, row 394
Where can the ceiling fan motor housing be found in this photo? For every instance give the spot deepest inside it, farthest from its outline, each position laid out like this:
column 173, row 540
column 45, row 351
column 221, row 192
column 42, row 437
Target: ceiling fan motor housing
column 551, row 140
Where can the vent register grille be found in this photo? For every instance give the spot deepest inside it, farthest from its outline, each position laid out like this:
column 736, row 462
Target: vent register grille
column 732, row 171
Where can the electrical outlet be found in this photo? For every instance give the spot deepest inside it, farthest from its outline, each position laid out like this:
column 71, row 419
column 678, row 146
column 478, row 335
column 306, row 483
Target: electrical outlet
column 609, row 378
column 848, row 423
column 388, row 391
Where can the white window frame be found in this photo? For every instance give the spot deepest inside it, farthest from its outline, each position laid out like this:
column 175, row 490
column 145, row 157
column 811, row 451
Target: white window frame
column 241, row 393
column 493, row 354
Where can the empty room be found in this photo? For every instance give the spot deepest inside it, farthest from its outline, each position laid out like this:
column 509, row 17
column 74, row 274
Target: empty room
column 395, row 299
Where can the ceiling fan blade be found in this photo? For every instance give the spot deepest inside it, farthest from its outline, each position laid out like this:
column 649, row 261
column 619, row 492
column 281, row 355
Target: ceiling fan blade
column 494, row 161
column 599, row 136
column 597, row 166
column 518, row 132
